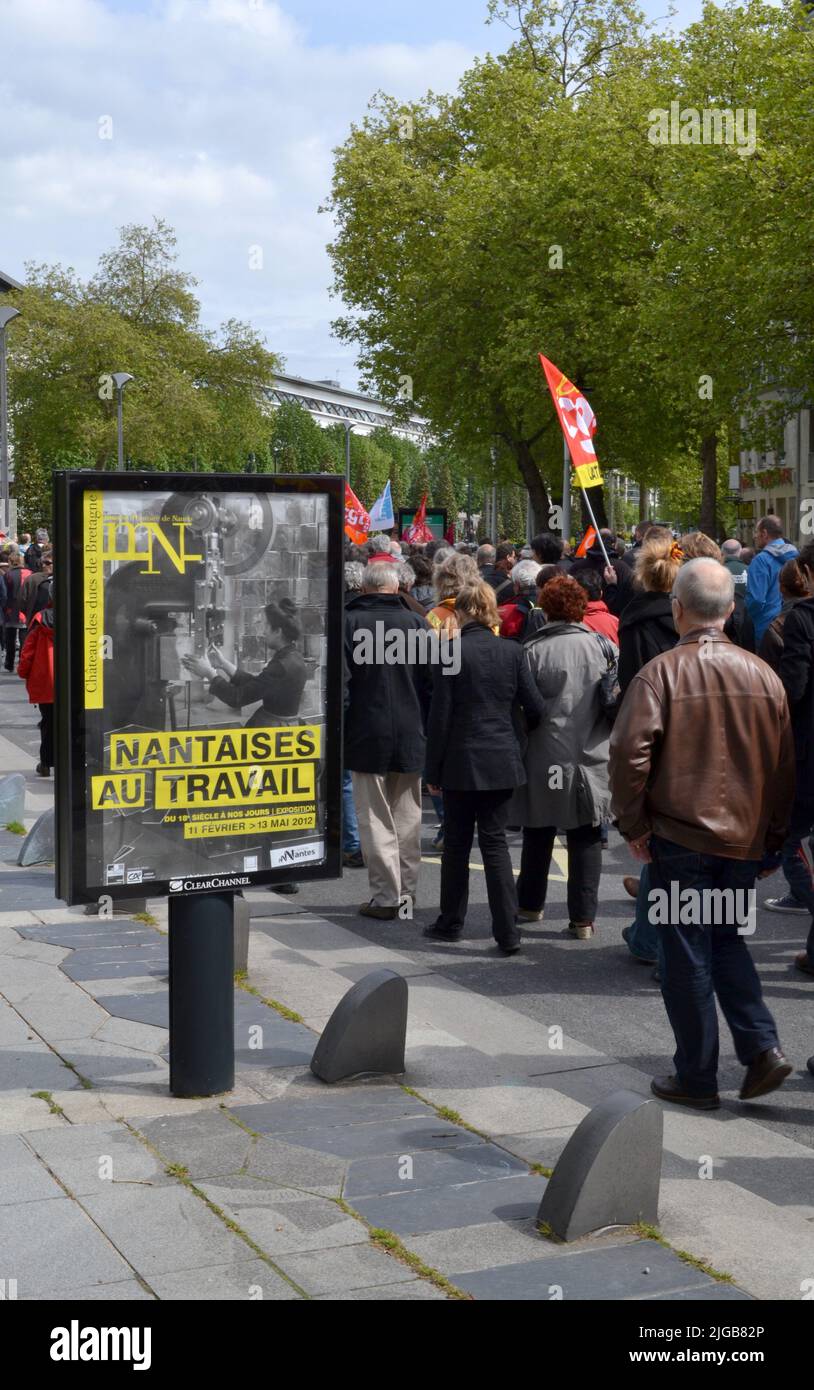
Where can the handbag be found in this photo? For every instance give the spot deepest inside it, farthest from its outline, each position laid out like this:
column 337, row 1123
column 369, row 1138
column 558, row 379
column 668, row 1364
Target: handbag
column 609, row 691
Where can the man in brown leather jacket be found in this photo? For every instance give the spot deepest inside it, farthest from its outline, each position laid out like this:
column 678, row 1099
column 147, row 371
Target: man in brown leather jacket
column 702, row 779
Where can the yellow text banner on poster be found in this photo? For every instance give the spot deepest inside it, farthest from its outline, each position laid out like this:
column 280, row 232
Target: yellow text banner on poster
column 223, row 787
column 203, row 748
column 93, row 599
column 265, row 825
column 118, row 791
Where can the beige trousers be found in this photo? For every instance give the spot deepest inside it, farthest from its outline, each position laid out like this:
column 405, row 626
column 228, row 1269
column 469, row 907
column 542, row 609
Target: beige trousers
column 388, row 808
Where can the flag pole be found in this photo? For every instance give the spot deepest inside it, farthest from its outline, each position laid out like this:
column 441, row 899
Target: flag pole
column 593, row 521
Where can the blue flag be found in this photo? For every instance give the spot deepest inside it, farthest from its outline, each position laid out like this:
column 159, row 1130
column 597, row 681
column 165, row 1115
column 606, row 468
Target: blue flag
column 381, row 513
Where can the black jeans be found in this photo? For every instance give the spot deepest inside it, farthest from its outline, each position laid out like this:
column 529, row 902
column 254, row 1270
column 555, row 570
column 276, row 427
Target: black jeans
column 12, row 636
column 700, row 962
column 46, row 735
column 490, row 811
column 584, row 869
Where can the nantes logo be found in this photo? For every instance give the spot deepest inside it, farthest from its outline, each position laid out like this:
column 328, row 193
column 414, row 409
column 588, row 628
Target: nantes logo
column 124, row 540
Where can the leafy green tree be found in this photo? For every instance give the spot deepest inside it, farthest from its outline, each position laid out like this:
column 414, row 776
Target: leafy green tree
column 196, row 398
column 422, row 484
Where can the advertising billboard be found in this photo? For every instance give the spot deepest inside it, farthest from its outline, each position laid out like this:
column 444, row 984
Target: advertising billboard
column 198, row 681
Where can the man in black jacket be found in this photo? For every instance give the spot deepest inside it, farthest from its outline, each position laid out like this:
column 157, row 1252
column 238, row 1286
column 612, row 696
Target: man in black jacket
column 499, row 575
column 617, row 581
column 387, row 699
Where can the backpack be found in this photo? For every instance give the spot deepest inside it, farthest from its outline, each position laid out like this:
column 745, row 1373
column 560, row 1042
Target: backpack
column 609, row 692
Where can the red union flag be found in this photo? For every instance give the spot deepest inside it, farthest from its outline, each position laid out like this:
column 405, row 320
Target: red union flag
column 578, row 424
column 419, row 533
column 357, row 520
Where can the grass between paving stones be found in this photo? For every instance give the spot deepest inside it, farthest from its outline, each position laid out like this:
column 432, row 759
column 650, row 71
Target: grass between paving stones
column 181, row 1174
column 15, row 828
column 242, row 983
column 653, row 1233
column 53, row 1105
column 147, row 918
column 392, row 1244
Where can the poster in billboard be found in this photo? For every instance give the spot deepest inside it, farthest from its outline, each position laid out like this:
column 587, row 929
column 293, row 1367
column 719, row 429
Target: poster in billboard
column 198, row 682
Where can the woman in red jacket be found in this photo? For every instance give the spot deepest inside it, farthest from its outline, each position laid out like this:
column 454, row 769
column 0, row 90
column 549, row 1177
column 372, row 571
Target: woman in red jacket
column 36, row 666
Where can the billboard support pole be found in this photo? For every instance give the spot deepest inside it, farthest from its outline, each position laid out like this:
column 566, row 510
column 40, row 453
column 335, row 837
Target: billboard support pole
column 202, row 994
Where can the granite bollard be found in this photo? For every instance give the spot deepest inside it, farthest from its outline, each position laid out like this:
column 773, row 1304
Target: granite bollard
column 609, row 1172
column 366, row 1032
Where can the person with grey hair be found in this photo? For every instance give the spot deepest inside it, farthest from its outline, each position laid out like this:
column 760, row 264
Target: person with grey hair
column 702, row 779
column 386, row 708
column 406, row 578
column 514, row 615
column 354, row 576
column 730, row 554
column 485, row 557
column 448, row 578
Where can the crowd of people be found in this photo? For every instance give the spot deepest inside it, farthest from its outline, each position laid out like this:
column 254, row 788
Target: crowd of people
column 665, row 687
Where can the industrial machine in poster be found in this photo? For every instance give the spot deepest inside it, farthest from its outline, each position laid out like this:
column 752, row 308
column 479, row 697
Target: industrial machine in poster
column 198, row 682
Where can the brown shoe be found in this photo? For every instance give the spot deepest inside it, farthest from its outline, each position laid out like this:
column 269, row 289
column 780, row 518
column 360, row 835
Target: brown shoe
column 768, row 1071
column 804, row 963
column 382, row 914
column 671, row 1089
column 528, row 915
column 631, row 885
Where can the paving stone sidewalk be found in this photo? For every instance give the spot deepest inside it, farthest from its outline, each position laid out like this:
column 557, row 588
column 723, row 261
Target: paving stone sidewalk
column 111, row 1188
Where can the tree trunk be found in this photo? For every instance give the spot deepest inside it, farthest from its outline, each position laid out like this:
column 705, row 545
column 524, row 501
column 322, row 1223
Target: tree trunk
column 596, row 497
column 533, row 479
column 643, row 497
column 709, row 485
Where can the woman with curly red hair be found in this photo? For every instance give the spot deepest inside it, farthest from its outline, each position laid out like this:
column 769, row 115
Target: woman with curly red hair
column 566, row 760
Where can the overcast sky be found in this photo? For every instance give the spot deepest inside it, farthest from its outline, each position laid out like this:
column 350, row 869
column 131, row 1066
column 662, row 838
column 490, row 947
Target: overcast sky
column 224, row 114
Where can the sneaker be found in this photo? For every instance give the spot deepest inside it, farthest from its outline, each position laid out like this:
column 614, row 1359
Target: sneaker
column 631, row 885
column 788, row 903
column 525, row 915
column 768, row 1071
column 438, row 841
column 43, row 770
column 804, row 963
column 508, row 950
column 626, row 938
column 354, row 860
column 436, row 933
column 582, row 931
column 382, row 914
column 670, row 1088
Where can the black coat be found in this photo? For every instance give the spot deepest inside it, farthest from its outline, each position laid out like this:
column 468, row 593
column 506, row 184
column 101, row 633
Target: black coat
column 473, row 742
column 500, row 582
column 739, row 627
column 646, row 629
column 386, row 706
column 279, row 686
column 797, row 675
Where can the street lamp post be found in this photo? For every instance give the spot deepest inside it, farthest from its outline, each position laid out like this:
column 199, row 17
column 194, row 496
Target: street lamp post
column 348, row 431
column 6, row 315
column 120, row 380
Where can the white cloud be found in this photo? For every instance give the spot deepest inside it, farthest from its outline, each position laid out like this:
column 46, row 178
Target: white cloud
column 223, row 122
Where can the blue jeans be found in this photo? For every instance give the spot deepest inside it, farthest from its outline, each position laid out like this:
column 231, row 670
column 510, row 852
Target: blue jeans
column 643, row 939
column 350, row 825
column 797, row 864
column 705, row 961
